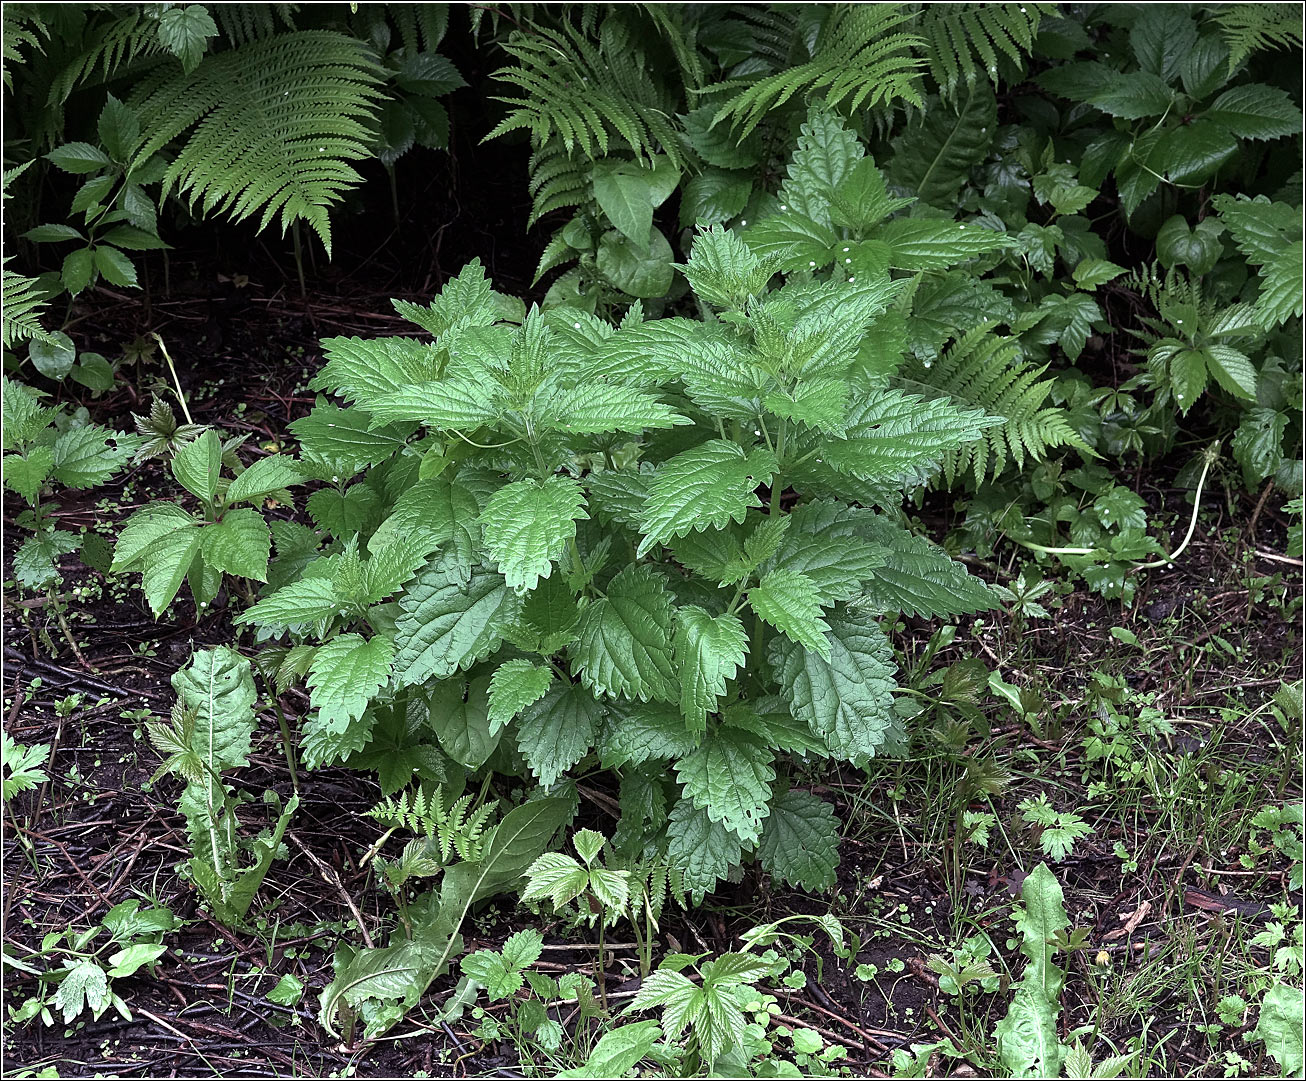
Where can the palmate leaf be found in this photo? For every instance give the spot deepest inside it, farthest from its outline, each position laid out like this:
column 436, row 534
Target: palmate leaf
column 529, row 524
column 273, row 126
column 623, row 646
column 709, row 485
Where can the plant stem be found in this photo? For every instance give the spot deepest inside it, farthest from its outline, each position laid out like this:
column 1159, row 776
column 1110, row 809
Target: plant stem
column 1210, row 455
column 175, row 381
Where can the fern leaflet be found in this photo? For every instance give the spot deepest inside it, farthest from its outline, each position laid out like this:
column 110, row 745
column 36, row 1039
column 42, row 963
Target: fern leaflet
column 859, row 58
column 986, row 371
column 452, row 827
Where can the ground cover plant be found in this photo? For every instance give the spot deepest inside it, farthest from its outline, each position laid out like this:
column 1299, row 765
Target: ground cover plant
column 785, row 560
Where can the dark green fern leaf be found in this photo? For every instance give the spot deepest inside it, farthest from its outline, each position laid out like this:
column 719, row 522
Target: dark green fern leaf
column 859, row 58
column 243, row 23
column 23, row 34
column 986, row 371
column 589, row 94
column 273, row 126
column 965, row 42
column 23, row 304
column 1252, row 28
column 109, row 47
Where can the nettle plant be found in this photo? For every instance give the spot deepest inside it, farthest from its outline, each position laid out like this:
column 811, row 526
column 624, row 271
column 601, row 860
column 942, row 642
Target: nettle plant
column 569, row 546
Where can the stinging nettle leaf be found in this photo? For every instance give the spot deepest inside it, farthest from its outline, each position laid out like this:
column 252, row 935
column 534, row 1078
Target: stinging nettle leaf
column 708, row 651
column 709, row 485
column 529, row 524
column 623, row 646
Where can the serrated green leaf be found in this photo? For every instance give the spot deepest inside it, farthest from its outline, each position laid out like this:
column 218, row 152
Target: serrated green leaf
column 708, row 651
column 1090, row 273
column 800, row 841
column 164, row 564
column 709, row 485
column 931, row 244
column 703, row 851
column 790, row 602
column 1232, row 370
column 90, row 455
column 821, row 404
column 343, row 441
column 267, row 475
column 897, row 440
column 845, row 694
column 295, row 606
column 1134, row 95
column 729, row 775
column 439, row 510
column 529, row 524
column 26, row 473
column 623, row 646
column 346, row 674
column 1255, row 111
column 556, row 732
column 595, row 408
column 239, row 543
column 343, row 514
column 457, row 402
column 514, row 686
column 635, row 733
column 445, row 626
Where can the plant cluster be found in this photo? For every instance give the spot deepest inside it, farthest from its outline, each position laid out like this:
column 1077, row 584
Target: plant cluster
column 809, row 265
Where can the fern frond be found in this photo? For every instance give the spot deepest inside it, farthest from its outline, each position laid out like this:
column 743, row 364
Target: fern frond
column 452, row 828
column 858, row 58
column 587, row 93
column 110, row 47
column 420, row 26
column 243, row 23
column 22, row 29
column 557, row 180
column 274, row 125
column 986, row 371
column 21, row 306
column 1252, row 28
column 963, row 41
